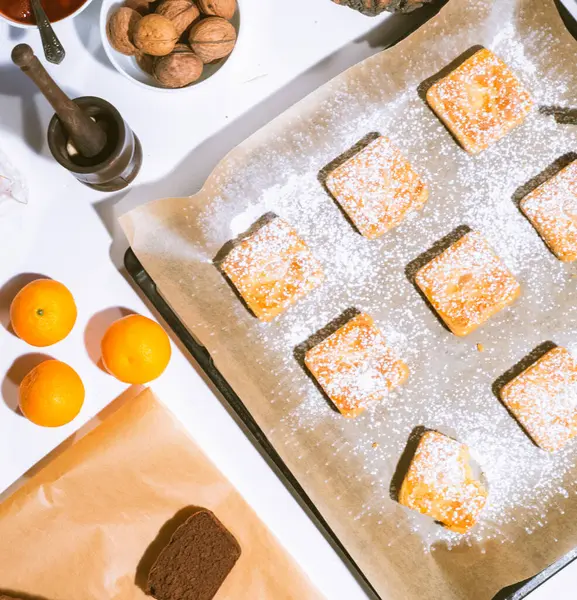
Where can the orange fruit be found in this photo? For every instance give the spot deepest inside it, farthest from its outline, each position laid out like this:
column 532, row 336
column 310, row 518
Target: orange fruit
column 135, row 349
column 43, row 312
column 52, row 394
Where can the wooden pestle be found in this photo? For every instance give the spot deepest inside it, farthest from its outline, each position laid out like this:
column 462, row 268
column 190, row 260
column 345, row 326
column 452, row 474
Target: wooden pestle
column 85, row 134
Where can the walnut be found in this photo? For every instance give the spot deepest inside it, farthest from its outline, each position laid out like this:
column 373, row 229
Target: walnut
column 181, row 12
column 120, row 30
column 145, row 62
column 140, row 6
column 212, row 38
column 218, row 8
column 180, row 68
column 156, row 35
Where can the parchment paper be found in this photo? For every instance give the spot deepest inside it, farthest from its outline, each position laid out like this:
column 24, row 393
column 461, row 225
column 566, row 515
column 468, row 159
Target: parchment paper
column 347, row 466
column 90, row 523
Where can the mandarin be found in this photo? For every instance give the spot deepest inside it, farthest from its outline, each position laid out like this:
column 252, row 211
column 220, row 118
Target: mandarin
column 51, row 394
column 43, row 312
column 135, row 349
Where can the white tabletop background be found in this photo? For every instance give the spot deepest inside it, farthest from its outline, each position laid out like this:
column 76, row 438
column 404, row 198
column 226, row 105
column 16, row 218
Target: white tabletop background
column 69, row 232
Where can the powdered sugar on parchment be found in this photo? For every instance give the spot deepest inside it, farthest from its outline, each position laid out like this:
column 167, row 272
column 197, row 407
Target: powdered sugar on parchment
column 451, row 386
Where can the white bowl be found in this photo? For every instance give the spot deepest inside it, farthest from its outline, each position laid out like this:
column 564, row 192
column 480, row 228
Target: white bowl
column 127, row 66
column 33, row 25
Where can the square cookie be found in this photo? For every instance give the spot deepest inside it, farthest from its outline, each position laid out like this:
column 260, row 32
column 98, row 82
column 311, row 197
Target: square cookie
column 543, row 399
column 377, row 187
column 552, row 210
column 480, row 101
column 272, row 269
column 355, row 366
column 441, row 485
column 467, row 284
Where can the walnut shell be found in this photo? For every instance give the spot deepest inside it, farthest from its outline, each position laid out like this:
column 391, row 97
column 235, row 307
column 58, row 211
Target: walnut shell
column 156, row 35
column 120, row 30
column 181, row 12
column 140, row 6
column 218, row 8
column 180, row 68
column 145, row 62
column 212, row 38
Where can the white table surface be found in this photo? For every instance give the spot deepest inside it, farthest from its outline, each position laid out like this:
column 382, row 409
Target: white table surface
column 69, row 232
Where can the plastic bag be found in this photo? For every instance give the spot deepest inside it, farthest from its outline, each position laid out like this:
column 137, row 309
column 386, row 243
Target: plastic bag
column 12, row 184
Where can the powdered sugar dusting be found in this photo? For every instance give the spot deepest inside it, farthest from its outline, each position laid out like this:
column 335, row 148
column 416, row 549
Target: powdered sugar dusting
column 346, row 465
column 449, row 386
column 450, row 382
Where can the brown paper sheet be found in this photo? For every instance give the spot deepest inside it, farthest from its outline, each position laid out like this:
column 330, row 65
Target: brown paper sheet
column 529, row 521
column 86, row 525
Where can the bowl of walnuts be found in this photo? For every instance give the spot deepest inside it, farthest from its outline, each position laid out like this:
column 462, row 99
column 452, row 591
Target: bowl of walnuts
column 169, row 45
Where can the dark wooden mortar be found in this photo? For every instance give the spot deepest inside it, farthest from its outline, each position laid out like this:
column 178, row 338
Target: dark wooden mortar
column 87, row 136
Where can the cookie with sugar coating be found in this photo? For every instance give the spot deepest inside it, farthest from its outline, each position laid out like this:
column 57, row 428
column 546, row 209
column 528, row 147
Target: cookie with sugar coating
column 543, row 398
column 440, row 483
column 467, row 284
column 272, row 268
column 552, row 210
column 377, row 188
column 355, row 366
column 480, row 101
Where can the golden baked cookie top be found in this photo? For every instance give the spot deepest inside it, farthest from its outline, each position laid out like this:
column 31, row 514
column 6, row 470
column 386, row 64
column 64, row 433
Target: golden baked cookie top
column 467, row 284
column 272, row 269
column 552, row 209
column 480, row 101
column 377, row 187
column 543, row 398
column 440, row 483
column 355, row 366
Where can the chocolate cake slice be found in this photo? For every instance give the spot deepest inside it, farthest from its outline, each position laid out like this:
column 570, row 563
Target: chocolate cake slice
column 196, row 561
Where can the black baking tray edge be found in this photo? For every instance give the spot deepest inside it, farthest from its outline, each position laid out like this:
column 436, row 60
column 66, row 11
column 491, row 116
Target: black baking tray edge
column 247, row 422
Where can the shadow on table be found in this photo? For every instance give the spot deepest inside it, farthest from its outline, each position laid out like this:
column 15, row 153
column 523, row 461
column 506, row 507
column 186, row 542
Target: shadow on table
column 16, row 34
column 15, row 374
column 89, row 34
column 97, row 326
column 31, row 118
column 13, row 83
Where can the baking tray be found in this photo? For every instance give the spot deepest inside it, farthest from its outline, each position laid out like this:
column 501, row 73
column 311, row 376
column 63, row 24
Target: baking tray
column 254, row 432
column 258, row 438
